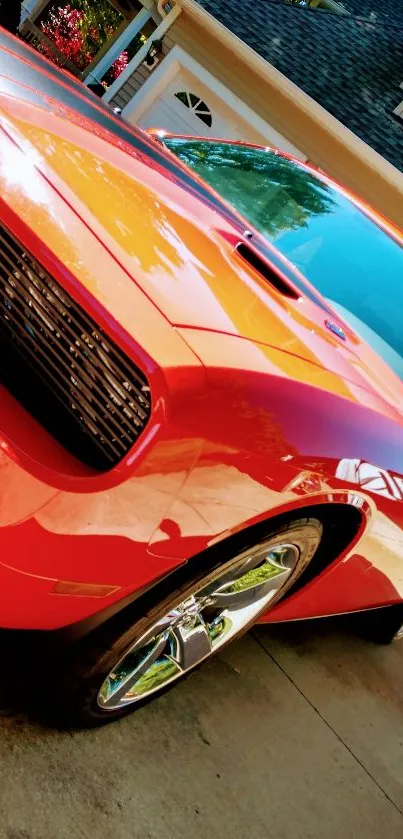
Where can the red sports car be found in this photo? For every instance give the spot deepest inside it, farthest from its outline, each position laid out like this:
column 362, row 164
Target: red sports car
column 201, row 404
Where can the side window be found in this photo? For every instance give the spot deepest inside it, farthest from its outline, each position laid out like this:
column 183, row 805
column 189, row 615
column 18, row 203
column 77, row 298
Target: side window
column 195, row 104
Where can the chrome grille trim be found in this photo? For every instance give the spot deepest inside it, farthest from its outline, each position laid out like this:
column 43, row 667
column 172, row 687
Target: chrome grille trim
column 97, row 399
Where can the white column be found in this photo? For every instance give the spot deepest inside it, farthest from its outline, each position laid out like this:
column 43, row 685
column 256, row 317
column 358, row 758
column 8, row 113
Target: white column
column 135, row 25
column 140, row 56
column 31, row 9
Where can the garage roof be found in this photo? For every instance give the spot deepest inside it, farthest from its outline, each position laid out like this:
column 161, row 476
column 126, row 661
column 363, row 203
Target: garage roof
column 352, row 65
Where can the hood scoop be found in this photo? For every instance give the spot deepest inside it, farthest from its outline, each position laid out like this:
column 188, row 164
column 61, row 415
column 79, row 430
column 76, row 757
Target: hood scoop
column 255, row 261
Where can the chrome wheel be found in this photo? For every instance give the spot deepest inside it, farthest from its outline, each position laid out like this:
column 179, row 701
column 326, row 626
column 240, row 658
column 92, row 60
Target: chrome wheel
column 199, row 625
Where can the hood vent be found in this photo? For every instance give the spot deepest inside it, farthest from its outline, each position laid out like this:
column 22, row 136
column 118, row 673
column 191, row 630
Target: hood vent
column 247, row 253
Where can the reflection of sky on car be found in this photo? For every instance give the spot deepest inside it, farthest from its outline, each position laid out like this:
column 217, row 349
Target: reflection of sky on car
column 345, row 255
column 352, row 262
column 341, row 251
column 380, row 346
column 371, row 477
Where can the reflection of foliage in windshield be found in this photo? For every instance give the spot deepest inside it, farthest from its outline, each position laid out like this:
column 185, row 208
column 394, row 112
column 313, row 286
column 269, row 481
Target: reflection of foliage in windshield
column 272, row 192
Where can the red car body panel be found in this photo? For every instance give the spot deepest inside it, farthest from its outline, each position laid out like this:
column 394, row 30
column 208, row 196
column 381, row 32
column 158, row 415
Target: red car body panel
column 243, row 427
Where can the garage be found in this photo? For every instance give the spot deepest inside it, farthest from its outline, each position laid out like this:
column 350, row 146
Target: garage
column 182, row 97
column 187, row 106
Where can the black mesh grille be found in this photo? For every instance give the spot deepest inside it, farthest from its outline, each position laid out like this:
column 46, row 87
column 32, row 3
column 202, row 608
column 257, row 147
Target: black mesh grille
column 56, row 361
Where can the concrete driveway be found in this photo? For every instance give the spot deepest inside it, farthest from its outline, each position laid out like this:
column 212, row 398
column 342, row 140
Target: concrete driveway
column 296, row 732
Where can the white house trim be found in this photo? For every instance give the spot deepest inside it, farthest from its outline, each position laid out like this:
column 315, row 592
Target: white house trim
column 177, row 60
column 141, row 55
column 32, row 9
column 129, row 32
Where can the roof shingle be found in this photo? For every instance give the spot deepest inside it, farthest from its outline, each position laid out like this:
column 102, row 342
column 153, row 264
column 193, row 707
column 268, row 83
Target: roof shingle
column 352, row 68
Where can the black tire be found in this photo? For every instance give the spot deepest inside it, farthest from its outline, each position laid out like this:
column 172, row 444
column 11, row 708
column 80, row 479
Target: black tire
column 92, row 659
column 381, row 625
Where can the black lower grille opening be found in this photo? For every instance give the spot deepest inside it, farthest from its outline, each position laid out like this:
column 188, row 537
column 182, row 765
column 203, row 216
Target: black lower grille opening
column 62, row 368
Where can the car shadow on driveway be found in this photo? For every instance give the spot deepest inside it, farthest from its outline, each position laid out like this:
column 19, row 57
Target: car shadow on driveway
column 292, row 731
column 28, row 660
column 22, row 668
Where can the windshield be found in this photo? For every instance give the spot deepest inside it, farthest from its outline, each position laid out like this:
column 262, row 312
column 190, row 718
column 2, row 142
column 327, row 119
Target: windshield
column 345, row 255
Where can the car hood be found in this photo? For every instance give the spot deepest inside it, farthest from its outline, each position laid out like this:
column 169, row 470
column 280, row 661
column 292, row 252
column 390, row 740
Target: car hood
column 178, row 243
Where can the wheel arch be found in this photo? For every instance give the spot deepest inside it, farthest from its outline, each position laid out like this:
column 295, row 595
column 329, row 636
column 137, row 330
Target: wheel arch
column 343, row 525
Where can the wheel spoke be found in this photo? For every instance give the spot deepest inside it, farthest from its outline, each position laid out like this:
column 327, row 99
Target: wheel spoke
column 233, row 594
column 192, row 642
column 253, row 580
column 195, row 627
column 124, row 687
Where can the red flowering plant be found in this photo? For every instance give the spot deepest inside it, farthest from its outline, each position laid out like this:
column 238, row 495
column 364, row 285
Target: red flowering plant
column 63, row 28
column 116, row 68
column 78, row 30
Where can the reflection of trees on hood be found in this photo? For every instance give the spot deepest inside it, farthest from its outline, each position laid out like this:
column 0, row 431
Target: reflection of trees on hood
column 273, row 193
